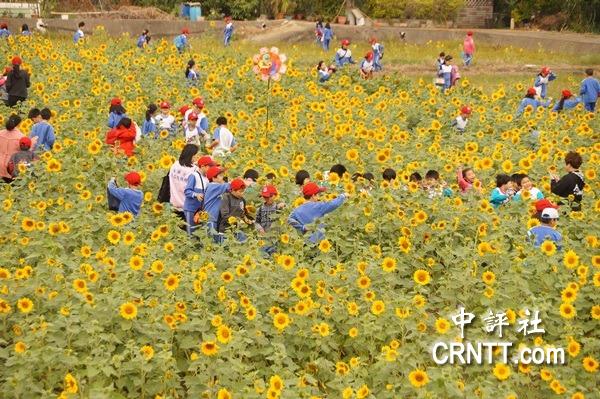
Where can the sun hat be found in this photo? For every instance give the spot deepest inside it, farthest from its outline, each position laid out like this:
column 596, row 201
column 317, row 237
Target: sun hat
column 165, row 105
column 237, row 184
column 268, row 191
column 133, row 178
column 465, row 110
column 311, row 189
column 198, row 102
column 206, row 161
column 25, row 142
column 214, row 171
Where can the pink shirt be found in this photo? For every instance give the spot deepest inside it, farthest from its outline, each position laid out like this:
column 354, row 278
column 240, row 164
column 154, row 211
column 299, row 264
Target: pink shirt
column 469, row 45
column 462, row 183
column 9, row 145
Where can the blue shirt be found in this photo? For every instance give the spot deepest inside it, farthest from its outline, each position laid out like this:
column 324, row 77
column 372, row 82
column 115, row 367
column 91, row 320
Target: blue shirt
column 4, row 33
column 131, row 200
column 324, row 75
column 114, row 119
column 530, row 101
column 590, row 90
column 45, row 135
column 568, row 104
column 228, row 31
column 212, row 200
column 327, row 34
column 539, row 234
column 148, row 127
column 141, row 42
column 191, row 203
column 78, row 35
column 544, row 86
column 181, row 42
column 498, row 198
column 311, row 211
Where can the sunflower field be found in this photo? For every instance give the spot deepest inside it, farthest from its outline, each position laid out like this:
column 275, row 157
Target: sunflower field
column 95, row 304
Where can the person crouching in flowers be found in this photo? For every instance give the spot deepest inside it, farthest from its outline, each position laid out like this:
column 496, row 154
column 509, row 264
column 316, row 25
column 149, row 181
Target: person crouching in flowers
column 223, row 141
column 435, row 187
column 122, row 137
column 228, row 31
column 541, row 81
column 191, row 72
column 566, row 101
column 526, row 186
column 116, row 112
column 530, row 101
column 149, row 125
column 500, row 195
column 164, row 120
column 343, row 56
column 460, row 123
column 366, row 66
column 233, row 208
column 377, row 49
column 546, row 231
column 465, row 177
column 312, row 210
column 130, row 199
column 325, row 71
column 21, row 159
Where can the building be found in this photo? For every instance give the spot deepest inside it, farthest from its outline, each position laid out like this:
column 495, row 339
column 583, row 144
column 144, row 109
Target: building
column 476, row 14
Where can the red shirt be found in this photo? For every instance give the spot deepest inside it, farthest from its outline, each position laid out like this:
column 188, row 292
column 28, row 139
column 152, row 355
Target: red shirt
column 123, row 137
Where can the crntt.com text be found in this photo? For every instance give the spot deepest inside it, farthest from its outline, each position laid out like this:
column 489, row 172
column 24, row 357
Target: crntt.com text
column 490, row 352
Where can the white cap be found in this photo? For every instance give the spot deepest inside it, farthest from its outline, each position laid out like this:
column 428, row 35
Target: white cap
column 549, row 213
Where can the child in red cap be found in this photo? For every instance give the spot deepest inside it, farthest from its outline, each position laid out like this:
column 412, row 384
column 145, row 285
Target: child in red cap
column 530, row 100
column 312, row 210
column 541, row 81
column 366, row 66
column 233, row 206
column 116, row 112
column 130, row 199
column 164, row 120
column 264, row 214
column 461, row 120
column 17, row 82
column 23, row 157
column 343, row 55
column 181, row 41
column 566, row 101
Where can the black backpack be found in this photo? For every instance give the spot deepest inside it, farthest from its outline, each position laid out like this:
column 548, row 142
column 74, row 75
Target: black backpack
column 164, row 194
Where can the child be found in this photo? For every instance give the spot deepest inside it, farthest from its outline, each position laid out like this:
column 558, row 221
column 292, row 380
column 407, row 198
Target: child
column 327, row 36
column 264, row 214
column 377, row 49
column 590, row 90
column 223, row 141
column 566, row 102
column 319, row 31
column 42, row 131
column 529, row 100
column 546, row 231
column 499, row 195
column 212, row 197
column 144, row 39
column 25, row 156
column 191, row 74
column 195, row 190
column 302, row 177
column 25, row 30
column 515, row 184
column 250, row 178
column 312, row 210
column 79, row 33
column 344, row 56
column 389, row 174
column 116, row 112
column 465, row 178
column 572, row 183
column 446, row 72
column 164, row 120
column 526, row 184
column 192, row 131
column 366, row 66
column 233, row 205
column 461, row 121
column 541, row 81
column 468, row 49
column 197, row 107
column 4, row 32
column 325, row 71
column 149, row 126
column 440, row 62
column 181, row 41
column 130, row 198
column 454, row 74
column 434, row 187
column 122, row 137
column 228, row 31
column 416, row 177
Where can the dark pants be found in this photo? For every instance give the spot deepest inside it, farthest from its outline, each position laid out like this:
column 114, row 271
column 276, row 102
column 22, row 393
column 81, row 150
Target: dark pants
column 13, row 100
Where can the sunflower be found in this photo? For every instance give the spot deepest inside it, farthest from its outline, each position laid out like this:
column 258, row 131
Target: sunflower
column 209, row 348
column 325, row 246
column 79, row 285
column 171, row 282
column 377, row 307
column 136, row 262
column 442, row 325
column 595, row 312
column 224, row 394
column 567, row 310
column 501, row 371
column 570, row 260
column 548, row 248
column 404, row 244
column 128, row 310
column 421, row 277
column 53, row 165
column 281, row 321
column 388, row 265
column 418, row 378
column 488, row 277
column 113, row 236
column 20, row 347
column 223, row 334
column 28, row 224
column 573, row 348
column 25, row 305
column 147, row 352
column 590, row 364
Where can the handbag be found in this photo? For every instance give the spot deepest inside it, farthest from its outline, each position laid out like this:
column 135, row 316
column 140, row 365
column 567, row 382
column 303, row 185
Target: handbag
column 164, row 194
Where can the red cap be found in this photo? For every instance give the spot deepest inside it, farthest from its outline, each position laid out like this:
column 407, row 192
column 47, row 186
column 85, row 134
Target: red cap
column 17, row 60
column 237, row 184
column 116, row 101
column 183, row 110
column 465, row 110
column 193, row 116
column 470, row 33
column 543, row 204
column 133, row 178
column 531, row 91
column 545, row 71
column 345, row 42
column 198, row 102
column 3, row 25
column 7, row 70
column 165, row 105
column 268, row 191
column 185, row 31
column 312, row 189
column 566, row 93
column 214, row 171
column 206, row 161
column 25, row 142
column 369, row 56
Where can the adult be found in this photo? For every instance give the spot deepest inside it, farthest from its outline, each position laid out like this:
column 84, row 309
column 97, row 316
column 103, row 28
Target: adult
column 9, row 145
column 178, row 176
column 17, row 83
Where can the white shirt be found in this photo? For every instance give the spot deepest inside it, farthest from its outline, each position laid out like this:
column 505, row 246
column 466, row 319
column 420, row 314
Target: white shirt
column 226, row 141
column 164, row 121
column 366, row 66
column 344, row 53
column 192, row 135
column 178, row 177
column 461, row 123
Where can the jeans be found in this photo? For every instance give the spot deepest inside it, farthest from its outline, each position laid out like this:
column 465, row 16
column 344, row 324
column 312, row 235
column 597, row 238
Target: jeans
column 326, row 44
column 590, row 106
column 467, row 58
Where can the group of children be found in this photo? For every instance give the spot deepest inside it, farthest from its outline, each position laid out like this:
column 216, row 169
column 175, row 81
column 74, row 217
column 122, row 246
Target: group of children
column 343, row 56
